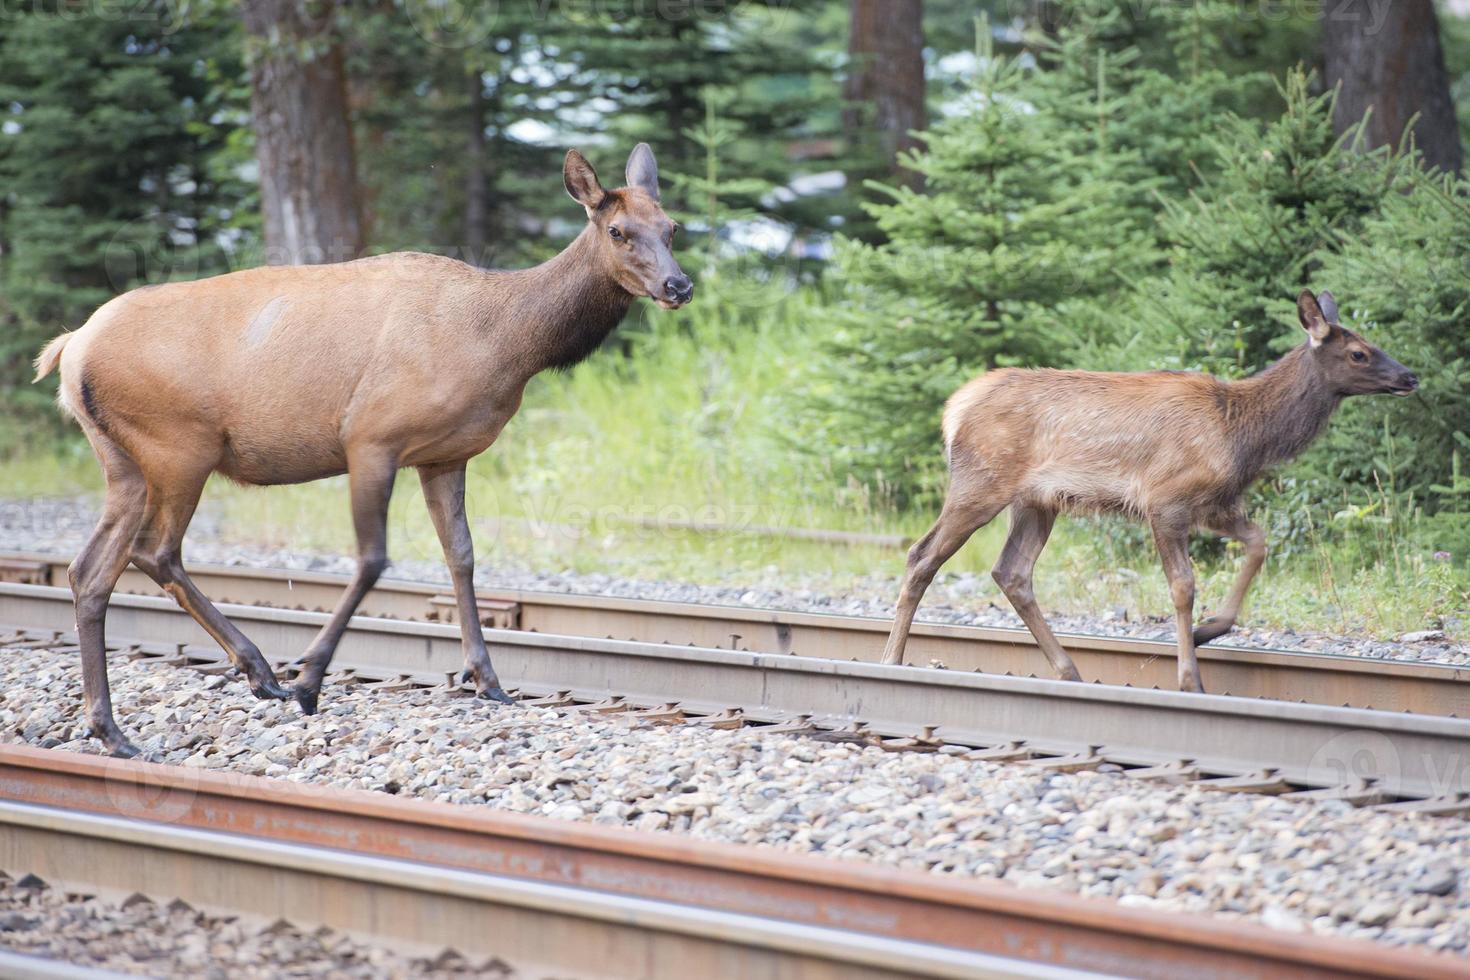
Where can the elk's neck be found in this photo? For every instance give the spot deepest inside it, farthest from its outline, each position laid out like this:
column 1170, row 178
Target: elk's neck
column 1276, row 414
column 560, row 311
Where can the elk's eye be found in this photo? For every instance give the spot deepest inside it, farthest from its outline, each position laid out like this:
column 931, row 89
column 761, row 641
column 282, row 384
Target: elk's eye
column 615, row 232
column 1359, row 356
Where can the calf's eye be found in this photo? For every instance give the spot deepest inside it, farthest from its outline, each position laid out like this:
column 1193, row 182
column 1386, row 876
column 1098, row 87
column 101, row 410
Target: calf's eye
column 1359, row 356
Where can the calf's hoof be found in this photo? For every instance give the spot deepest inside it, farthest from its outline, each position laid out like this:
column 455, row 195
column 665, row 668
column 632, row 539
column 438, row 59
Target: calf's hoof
column 1211, row 628
column 487, row 685
column 495, row 693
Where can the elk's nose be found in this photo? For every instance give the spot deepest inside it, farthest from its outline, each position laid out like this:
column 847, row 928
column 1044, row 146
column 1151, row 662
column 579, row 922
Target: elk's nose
column 1410, row 380
column 678, row 289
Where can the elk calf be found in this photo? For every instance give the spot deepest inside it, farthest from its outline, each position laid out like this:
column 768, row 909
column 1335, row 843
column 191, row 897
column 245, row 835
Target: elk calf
column 289, row 374
column 1173, row 449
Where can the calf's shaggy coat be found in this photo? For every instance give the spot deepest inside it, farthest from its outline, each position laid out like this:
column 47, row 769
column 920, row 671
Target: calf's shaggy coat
column 288, row 374
column 1172, row 449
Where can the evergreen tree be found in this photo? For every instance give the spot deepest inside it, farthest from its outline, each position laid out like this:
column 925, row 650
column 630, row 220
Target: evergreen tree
column 1403, row 279
column 110, row 169
column 589, row 76
column 1025, row 217
column 1247, row 240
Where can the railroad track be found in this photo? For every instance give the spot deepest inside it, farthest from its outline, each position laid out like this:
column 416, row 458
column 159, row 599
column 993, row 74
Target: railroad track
column 573, row 899
column 1368, row 757
column 1346, row 681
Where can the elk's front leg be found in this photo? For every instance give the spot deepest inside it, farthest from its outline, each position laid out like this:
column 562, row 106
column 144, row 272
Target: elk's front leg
column 444, row 495
column 1171, row 535
column 370, row 480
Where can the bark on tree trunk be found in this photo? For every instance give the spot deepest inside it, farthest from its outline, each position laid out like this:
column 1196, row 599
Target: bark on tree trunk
column 885, row 79
column 1386, row 55
column 476, row 201
column 303, row 136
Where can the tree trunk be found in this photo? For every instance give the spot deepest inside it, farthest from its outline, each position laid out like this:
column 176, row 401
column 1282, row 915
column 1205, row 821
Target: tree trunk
column 1387, row 57
column 885, row 79
column 476, row 201
column 303, row 136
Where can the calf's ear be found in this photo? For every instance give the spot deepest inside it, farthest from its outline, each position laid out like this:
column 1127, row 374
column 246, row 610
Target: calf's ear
column 1314, row 321
column 1329, row 308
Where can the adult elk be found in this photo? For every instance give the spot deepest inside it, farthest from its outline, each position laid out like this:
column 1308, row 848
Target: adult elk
column 288, row 374
column 1173, row 449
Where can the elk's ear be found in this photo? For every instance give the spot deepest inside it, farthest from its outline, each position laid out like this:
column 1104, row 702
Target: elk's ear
column 643, row 170
column 1314, row 321
column 581, row 181
column 1329, row 308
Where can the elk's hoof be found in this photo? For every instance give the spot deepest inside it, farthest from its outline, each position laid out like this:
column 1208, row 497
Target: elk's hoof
column 270, row 690
column 495, row 694
column 118, row 745
column 306, row 697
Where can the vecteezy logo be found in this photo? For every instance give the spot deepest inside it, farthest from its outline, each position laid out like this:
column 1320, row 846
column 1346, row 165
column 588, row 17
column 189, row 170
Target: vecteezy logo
column 453, row 23
column 1353, row 757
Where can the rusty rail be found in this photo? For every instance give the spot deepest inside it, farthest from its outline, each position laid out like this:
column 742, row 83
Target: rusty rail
column 852, row 919
column 1433, row 689
column 1417, row 757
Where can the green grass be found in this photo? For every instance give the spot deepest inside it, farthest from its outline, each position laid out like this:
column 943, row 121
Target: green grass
column 690, row 425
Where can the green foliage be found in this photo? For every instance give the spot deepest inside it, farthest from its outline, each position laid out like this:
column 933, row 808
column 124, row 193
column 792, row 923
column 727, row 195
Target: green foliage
column 1244, row 243
column 112, row 136
column 599, row 77
column 707, row 193
column 1027, row 214
column 1403, row 278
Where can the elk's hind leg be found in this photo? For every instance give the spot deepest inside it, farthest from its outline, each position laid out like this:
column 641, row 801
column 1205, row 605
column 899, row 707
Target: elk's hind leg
column 960, row 518
column 93, row 575
column 444, row 495
column 157, row 550
column 1249, row 534
column 1030, row 529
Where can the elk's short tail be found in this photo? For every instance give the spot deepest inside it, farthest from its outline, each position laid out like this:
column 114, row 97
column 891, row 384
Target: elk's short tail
column 50, row 357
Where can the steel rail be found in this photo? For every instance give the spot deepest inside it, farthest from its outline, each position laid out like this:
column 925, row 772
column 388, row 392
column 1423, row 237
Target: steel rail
column 1437, row 689
column 20, row 966
column 626, row 902
column 1404, row 755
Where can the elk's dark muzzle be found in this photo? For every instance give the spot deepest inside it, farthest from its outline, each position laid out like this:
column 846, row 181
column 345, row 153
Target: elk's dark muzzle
column 679, row 289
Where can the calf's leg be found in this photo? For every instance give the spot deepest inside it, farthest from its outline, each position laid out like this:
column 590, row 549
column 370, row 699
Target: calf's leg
column 1254, row 539
column 157, row 550
column 93, row 575
column 370, row 482
column 1171, row 535
column 957, row 521
column 1030, row 528
column 444, row 495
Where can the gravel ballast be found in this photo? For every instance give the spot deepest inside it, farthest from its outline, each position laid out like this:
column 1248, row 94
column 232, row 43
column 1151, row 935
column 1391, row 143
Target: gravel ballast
column 169, row 939
column 1293, row 865
column 61, row 525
